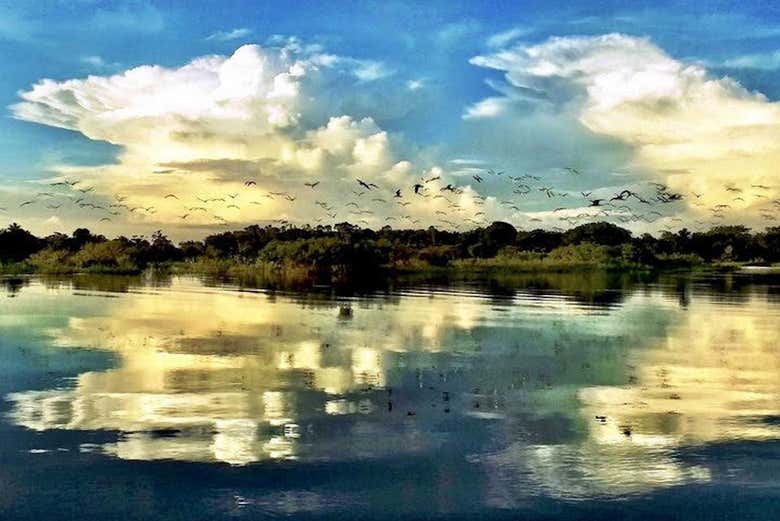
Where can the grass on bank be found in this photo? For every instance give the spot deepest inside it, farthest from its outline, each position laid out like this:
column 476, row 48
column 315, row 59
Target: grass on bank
column 109, row 258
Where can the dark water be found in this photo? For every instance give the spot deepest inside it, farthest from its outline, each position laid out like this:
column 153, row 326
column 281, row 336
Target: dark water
column 550, row 397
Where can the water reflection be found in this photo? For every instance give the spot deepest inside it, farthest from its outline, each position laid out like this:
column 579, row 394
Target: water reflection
column 541, row 390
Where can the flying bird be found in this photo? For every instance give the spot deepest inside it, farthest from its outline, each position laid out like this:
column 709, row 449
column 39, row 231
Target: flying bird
column 622, row 196
column 367, row 186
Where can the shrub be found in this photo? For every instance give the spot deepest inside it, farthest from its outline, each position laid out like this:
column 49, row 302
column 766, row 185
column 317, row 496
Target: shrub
column 51, row 261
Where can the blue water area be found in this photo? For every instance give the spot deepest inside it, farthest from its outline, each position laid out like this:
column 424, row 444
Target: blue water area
column 571, row 397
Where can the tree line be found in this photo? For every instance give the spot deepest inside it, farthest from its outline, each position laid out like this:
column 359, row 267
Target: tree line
column 350, row 248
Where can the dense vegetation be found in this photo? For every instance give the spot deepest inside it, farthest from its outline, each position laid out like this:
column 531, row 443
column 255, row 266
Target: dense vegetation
column 347, row 250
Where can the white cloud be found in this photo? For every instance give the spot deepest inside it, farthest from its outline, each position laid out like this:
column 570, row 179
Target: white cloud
column 766, row 61
column 233, row 34
column 368, row 70
column 503, row 38
column 415, row 84
column 203, row 129
column 99, row 63
column 617, row 108
column 691, row 130
column 486, row 108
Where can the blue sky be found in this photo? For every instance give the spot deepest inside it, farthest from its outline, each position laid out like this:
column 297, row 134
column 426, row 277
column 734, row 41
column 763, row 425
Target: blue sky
column 430, row 44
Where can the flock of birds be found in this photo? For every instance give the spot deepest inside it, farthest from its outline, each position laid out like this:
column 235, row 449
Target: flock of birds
column 389, row 205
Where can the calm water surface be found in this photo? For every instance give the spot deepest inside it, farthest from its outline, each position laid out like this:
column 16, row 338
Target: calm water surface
column 560, row 397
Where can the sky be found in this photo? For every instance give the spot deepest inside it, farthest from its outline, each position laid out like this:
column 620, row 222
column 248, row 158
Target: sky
column 132, row 116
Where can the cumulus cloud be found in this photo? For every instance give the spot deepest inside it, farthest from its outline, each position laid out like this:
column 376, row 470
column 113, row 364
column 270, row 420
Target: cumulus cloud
column 203, row 130
column 617, row 108
column 688, row 129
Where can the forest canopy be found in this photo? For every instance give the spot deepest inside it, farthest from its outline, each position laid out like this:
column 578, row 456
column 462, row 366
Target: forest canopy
column 348, row 248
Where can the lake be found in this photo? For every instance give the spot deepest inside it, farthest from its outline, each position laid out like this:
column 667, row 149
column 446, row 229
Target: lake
column 533, row 397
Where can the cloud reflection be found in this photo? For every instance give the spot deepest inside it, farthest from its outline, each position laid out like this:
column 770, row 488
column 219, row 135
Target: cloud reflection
column 590, row 400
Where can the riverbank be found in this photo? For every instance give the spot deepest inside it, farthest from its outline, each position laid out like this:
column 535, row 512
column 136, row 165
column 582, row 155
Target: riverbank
column 525, row 264
column 346, row 253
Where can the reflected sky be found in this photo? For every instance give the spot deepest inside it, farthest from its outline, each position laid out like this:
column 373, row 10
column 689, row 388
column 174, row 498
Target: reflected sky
column 537, row 392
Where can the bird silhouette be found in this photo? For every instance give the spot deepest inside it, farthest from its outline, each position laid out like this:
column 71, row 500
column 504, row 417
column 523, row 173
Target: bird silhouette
column 622, row 196
column 367, row 186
